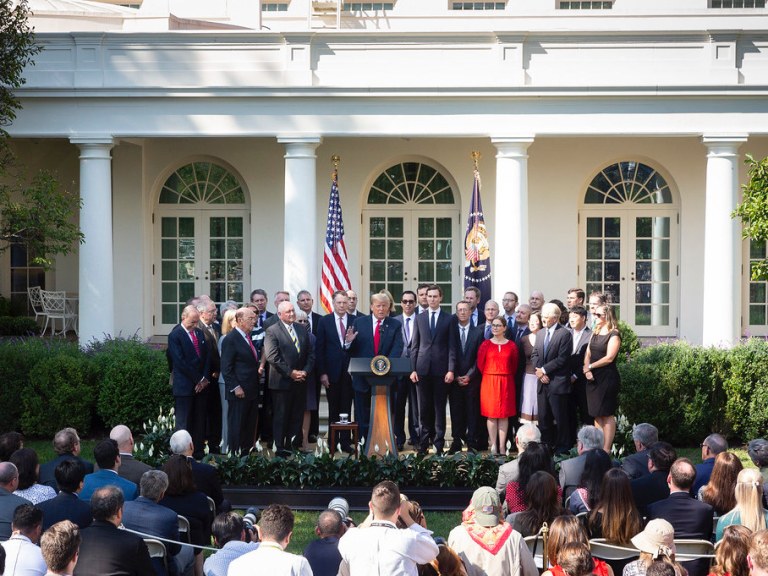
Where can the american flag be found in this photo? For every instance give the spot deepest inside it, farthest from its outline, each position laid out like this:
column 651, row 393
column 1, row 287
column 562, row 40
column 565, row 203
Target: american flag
column 477, row 251
column 335, row 275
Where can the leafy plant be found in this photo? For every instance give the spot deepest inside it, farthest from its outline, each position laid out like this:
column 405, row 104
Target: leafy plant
column 630, row 343
column 18, row 326
column 753, row 210
column 154, row 448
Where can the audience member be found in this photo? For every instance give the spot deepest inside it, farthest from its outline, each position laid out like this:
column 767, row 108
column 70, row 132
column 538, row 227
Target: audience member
column 206, row 476
column 757, row 559
column 720, row 491
column 275, row 531
column 542, row 504
column 323, row 553
column 233, row 540
column 510, row 472
column 379, row 546
column 21, row 550
column 105, row 549
column 66, row 444
column 9, row 443
column 535, row 458
column 749, row 509
column 644, row 436
column 615, row 516
column 486, row 544
column 758, row 452
column 9, row 481
column 567, row 531
column 653, row 487
column 576, row 560
column 448, row 563
column 108, row 459
column 587, row 495
column 588, row 438
column 130, row 468
column 60, row 546
column 655, row 542
column 26, row 463
column 713, row 445
column 731, row 552
column 66, row 505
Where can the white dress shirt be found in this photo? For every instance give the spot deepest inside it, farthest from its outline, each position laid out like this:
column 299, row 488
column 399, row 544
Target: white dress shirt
column 22, row 557
column 269, row 558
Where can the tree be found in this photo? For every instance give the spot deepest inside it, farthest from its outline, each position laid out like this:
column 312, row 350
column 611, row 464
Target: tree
column 753, row 210
column 38, row 214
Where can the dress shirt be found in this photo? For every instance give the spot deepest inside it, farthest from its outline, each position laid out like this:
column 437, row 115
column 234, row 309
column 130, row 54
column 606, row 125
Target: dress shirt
column 270, row 558
column 408, row 321
column 473, row 317
column 575, row 337
column 22, row 557
column 346, row 320
column 217, row 564
column 383, row 549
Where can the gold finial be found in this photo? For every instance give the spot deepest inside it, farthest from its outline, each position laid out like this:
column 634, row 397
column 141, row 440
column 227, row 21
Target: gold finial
column 475, row 157
column 335, row 159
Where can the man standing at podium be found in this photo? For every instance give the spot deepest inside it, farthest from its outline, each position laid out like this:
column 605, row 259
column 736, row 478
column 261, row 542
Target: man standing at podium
column 374, row 335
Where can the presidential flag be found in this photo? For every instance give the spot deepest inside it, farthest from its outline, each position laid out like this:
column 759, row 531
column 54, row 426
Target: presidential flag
column 335, row 275
column 477, row 251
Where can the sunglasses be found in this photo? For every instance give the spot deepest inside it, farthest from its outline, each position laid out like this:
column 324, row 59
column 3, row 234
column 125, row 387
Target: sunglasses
column 408, row 301
column 598, row 315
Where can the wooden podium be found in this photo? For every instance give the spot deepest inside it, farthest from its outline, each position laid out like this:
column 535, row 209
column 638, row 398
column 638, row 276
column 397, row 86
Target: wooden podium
column 381, row 438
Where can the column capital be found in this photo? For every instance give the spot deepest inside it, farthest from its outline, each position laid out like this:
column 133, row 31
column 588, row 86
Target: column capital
column 723, row 144
column 96, row 146
column 511, row 146
column 300, row 146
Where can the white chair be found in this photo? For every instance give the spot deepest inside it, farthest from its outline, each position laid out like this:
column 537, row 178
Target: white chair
column 536, row 546
column 56, row 307
column 184, row 529
column 212, row 506
column 157, row 550
column 601, row 549
column 691, row 549
column 36, row 301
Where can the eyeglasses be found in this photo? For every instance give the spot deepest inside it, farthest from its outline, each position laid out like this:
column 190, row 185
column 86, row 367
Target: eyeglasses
column 303, row 321
column 408, row 301
column 497, row 325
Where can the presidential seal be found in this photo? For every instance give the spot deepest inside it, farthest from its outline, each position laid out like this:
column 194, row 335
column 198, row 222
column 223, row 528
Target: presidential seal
column 380, row 365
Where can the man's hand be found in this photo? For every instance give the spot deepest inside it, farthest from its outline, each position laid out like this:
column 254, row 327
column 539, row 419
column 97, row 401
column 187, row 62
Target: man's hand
column 239, row 392
column 324, row 382
column 414, row 377
column 463, row 380
column 298, row 375
column 350, row 335
column 448, row 377
column 200, row 386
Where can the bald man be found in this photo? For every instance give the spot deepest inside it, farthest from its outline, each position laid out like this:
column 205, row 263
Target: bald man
column 130, row 468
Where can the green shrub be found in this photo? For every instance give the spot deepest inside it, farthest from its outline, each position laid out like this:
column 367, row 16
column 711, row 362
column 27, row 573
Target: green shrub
column 133, row 381
column 18, row 326
column 62, row 392
column 746, row 389
column 630, row 343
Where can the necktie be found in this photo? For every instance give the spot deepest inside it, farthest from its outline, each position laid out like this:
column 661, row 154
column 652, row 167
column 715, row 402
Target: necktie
column 292, row 332
column 377, row 338
column 463, row 338
column 432, row 323
column 520, row 333
column 407, row 330
column 252, row 347
column 342, row 329
column 510, row 321
column 195, row 343
column 487, row 331
column 546, row 341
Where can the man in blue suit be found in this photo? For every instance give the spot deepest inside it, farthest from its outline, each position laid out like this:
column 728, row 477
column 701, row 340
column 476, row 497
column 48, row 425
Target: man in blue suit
column 431, row 372
column 332, row 362
column 370, row 336
column 189, row 357
column 406, row 391
column 107, row 458
column 66, row 505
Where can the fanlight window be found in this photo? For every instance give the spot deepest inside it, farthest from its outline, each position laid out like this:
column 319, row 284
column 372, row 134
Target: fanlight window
column 202, row 182
column 410, row 183
column 630, row 182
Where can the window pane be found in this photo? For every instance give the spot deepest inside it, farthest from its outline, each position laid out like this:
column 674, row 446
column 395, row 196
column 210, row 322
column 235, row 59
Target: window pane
column 395, row 227
column 217, row 227
column 234, row 227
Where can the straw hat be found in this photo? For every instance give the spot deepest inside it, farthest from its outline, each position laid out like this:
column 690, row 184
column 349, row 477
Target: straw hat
column 658, row 538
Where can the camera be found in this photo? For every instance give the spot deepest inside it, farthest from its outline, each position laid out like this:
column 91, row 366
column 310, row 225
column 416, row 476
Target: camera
column 250, row 519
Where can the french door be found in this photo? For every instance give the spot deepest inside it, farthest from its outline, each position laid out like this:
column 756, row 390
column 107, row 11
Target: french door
column 198, row 252
column 632, row 255
column 405, row 248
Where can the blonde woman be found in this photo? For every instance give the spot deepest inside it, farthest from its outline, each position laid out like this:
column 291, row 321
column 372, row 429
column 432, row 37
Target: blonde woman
column 602, row 375
column 749, row 509
column 227, row 325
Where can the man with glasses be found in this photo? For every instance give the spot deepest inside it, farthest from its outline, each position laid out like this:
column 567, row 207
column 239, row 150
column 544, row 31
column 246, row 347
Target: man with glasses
column 509, row 303
column 212, row 331
column 713, row 445
column 352, row 310
column 406, row 391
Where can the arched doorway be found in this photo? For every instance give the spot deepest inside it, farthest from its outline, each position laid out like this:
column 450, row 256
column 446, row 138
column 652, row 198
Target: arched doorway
column 410, row 224
column 628, row 245
column 201, row 239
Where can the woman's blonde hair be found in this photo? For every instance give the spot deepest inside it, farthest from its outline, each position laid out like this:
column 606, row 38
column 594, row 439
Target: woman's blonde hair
column 610, row 318
column 228, row 321
column 749, row 499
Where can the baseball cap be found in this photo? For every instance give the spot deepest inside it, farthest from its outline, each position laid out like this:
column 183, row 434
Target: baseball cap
column 486, row 505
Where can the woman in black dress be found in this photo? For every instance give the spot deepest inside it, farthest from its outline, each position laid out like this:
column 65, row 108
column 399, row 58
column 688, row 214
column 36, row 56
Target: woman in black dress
column 602, row 374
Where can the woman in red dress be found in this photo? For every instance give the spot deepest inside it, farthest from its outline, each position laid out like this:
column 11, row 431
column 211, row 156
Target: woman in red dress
column 497, row 362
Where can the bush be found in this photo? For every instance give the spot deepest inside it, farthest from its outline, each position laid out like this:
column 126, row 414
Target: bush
column 133, row 381
column 746, row 389
column 62, row 392
column 18, row 326
column 630, row 343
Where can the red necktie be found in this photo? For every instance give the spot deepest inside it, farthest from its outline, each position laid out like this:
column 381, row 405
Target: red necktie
column 343, row 330
column 195, row 343
column 376, row 338
column 253, row 349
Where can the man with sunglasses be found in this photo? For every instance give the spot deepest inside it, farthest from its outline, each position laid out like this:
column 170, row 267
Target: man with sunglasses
column 406, row 391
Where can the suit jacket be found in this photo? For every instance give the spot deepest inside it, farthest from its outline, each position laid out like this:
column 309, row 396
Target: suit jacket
column 390, row 343
column 132, row 469
column 556, row 361
column 636, row 465
column 703, row 472
column 315, row 321
column 577, row 358
column 430, row 354
column 283, row 357
column 689, row 517
column 239, row 366
column 8, row 504
column 212, row 341
column 188, row 367
column 105, row 550
column 47, row 470
column 464, row 363
column 100, row 478
column 649, row 489
column 511, row 333
column 406, row 343
column 65, row 506
column 570, row 473
column 207, row 480
column 330, row 357
column 145, row 515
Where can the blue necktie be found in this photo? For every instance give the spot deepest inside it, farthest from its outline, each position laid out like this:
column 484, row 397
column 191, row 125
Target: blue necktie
column 432, row 323
column 546, row 341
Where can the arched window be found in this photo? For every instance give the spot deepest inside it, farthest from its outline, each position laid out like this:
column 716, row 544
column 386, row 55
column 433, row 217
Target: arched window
column 410, row 182
column 630, row 181
column 202, row 182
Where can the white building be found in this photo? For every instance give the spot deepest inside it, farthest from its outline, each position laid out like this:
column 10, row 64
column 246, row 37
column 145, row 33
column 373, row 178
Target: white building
column 612, row 135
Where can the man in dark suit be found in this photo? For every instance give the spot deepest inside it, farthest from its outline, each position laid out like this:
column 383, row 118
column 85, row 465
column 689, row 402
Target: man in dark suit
column 147, row 516
column 431, row 372
column 9, row 481
column 190, row 360
column 259, row 298
column 66, row 443
column 66, row 505
column 290, row 357
column 551, row 358
column 212, row 331
column 580, row 335
column 206, row 476
column 516, row 331
column 464, row 391
column 377, row 334
column 710, row 448
column 589, row 438
column 352, row 310
column 130, row 468
column 653, row 487
column 331, row 361
column 240, row 368
column 689, row 517
column 107, row 550
column 405, row 394
column 644, row 436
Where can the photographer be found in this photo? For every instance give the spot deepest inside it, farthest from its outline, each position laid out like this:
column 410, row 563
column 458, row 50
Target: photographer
column 323, row 553
column 235, row 536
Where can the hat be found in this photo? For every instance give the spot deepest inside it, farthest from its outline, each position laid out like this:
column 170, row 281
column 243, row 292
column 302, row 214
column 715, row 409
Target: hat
column 658, row 538
column 487, row 507
column 339, row 505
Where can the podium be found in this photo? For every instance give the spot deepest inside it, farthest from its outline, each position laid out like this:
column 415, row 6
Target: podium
column 381, row 438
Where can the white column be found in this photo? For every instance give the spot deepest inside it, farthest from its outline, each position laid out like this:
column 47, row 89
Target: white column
column 510, row 229
column 301, row 239
column 96, row 270
column 722, row 244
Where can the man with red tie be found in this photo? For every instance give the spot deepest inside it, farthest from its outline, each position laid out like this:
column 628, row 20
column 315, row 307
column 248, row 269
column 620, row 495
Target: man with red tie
column 189, row 357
